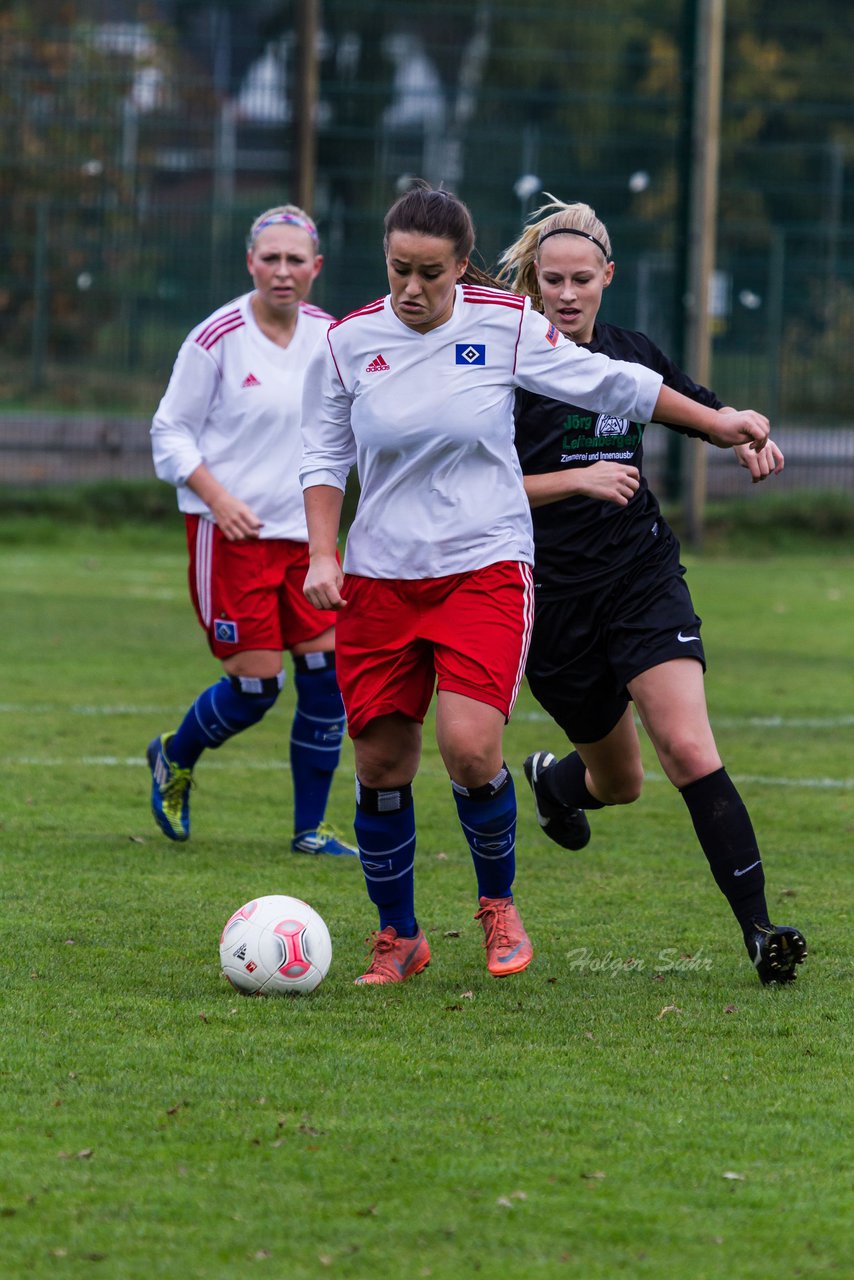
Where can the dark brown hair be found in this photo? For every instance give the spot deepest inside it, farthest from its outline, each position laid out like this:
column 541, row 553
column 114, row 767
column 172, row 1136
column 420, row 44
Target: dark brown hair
column 428, row 211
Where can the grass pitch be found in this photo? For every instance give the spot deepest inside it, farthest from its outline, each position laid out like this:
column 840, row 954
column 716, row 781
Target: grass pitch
column 635, row 1104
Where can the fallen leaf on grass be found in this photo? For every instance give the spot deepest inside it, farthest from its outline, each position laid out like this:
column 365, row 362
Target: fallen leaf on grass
column 441, row 857
column 136, row 839
column 370, row 1212
column 669, row 1008
column 733, row 1177
column 451, row 933
column 307, row 1128
column 261, row 1255
column 597, row 1175
column 71, row 942
column 203, row 1017
column 467, row 995
column 731, row 1008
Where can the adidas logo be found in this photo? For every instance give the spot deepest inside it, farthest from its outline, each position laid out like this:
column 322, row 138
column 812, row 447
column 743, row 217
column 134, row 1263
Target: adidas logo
column 250, row 381
column 377, row 366
column 240, row 953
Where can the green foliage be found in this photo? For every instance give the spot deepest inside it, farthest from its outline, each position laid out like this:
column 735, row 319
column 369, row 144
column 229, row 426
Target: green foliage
column 46, row 512
column 634, row 1104
column 129, row 171
column 792, row 523
column 818, row 357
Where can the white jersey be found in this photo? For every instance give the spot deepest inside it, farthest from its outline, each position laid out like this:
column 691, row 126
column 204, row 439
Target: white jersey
column 233, row 403
column 428, row 419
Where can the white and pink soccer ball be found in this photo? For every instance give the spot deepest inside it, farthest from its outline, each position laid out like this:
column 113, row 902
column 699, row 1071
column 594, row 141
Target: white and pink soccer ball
column 275, row 945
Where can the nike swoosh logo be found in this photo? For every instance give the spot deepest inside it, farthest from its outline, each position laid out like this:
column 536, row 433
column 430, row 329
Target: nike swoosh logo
column 745, row 870
column 684, row 639
column 402, row 964
column 511, row 955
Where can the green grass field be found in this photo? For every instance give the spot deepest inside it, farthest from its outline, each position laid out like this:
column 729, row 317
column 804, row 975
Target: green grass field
column 635, row 1104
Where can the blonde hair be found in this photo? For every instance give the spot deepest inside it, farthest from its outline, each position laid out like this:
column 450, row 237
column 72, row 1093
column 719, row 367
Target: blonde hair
column 517, row 263
column 290, row 214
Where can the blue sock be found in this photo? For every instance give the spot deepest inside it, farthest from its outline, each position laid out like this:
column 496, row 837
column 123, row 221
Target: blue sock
column 488, row 819
column 385, row 833
column 315, row 737
column 226, row 708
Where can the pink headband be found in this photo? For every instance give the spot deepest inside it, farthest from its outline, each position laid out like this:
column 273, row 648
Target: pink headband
column 303, row 221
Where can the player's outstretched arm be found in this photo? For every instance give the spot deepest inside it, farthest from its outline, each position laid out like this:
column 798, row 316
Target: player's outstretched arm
column 322, row 586
column 744, row 426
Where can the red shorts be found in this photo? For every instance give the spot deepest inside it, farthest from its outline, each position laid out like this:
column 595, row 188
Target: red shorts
column 397, row 638
column 248, row 595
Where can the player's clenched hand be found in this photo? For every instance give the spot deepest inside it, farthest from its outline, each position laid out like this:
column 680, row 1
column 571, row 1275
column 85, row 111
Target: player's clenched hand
column 322, row 586
column 768, row 462
column 609, row 482
column 238, row 522
column 740, row 426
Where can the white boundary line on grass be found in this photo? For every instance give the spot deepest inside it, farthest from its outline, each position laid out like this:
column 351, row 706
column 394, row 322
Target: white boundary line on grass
column 276, row 766
column 529, row 717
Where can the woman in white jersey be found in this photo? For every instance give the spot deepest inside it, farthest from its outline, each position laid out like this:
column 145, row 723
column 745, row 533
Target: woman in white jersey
column 417, row 389
column 614, row 623
column 227, row 435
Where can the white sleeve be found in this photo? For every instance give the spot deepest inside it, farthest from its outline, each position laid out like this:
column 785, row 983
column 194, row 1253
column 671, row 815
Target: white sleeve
column 549, row 365
column 182, row 414
column 328, row 444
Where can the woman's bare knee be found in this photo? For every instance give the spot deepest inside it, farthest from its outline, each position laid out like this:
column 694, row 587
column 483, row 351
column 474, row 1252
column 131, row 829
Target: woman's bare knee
column 623, row 788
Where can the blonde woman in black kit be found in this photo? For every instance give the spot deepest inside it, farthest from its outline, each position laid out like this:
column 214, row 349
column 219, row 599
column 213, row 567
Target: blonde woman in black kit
column 614, row 622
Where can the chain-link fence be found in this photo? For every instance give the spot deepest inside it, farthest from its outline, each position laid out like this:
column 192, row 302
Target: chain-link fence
column 135, row 154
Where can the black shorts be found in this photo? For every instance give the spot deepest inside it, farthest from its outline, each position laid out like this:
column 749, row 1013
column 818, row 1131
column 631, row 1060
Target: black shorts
column 587, row 647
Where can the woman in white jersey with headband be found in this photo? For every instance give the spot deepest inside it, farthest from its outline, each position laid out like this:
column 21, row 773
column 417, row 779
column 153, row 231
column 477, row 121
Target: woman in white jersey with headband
column 416, row 389
column 227, row 435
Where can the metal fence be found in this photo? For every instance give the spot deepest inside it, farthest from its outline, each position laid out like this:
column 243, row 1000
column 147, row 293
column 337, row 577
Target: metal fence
column 135, row 154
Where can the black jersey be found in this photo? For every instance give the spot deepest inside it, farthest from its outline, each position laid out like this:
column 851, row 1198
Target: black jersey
column 581, row 540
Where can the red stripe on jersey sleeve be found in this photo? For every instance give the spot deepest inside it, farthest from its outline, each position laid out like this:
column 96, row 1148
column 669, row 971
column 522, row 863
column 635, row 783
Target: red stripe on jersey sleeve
column 214, row 324
column 311, row 310
column 210, row 342
column 370, row 308
column 492, row 297
column 518, row 336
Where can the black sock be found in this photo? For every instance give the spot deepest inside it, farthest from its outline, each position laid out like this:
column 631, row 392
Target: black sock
column 725, row 832
column 564, row 784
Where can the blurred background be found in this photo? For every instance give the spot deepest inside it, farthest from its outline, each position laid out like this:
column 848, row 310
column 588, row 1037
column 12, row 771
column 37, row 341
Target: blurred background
column 140, row 140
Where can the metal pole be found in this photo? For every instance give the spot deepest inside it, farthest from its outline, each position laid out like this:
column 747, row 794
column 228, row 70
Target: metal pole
column 41, row 322
column 674, row 443
column 308, row 77
column 705, row 164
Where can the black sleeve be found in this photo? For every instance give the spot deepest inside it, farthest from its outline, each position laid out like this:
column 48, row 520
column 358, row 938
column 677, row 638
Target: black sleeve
column 675, row 378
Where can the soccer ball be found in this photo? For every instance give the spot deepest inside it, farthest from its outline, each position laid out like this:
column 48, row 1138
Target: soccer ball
column 275, row 945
